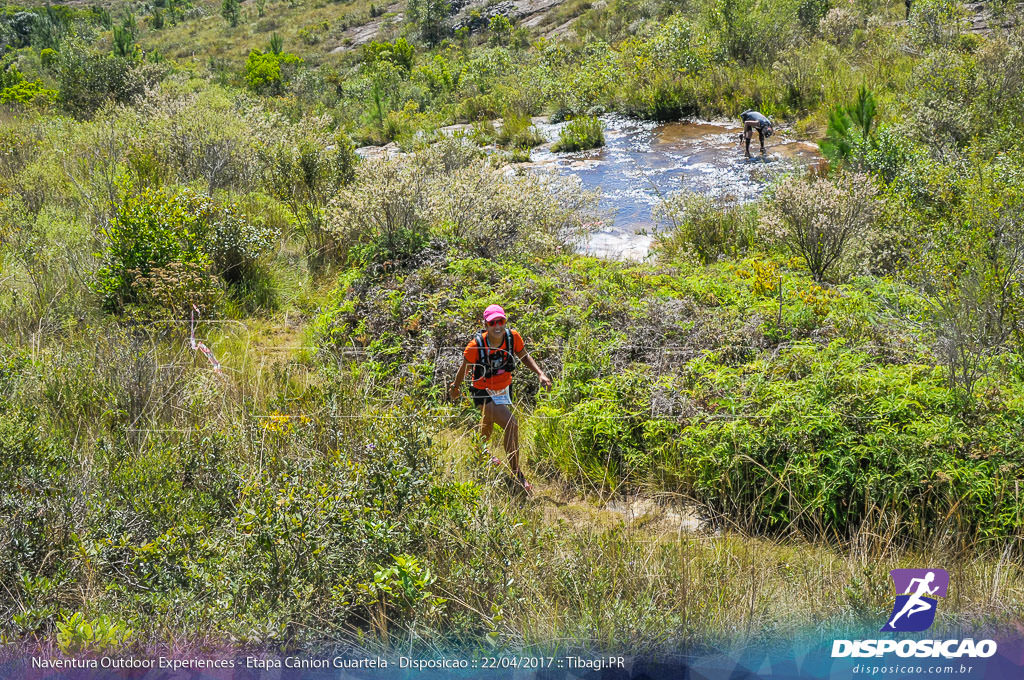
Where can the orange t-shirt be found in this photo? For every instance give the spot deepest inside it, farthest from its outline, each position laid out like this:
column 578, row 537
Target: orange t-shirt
column 502, row 379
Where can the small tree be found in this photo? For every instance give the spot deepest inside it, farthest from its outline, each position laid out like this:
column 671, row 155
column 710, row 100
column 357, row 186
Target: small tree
column 500, row 27
column 305, row 176
column 22, row 25
column 972, row 270
column 50, row 29
column 969, row 326
column 124, row 43
column 428, row 16
column 231, row 10
column 131, row 25
column 848, row 126
column 818, row 218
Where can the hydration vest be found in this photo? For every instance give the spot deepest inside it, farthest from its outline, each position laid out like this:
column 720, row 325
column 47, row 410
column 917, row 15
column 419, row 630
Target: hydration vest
column 492, row 360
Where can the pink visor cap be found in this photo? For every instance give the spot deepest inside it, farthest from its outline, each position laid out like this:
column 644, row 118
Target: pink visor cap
column 494, row 312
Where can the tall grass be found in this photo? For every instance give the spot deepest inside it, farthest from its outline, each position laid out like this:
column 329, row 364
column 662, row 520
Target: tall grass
column 580, row 134
column 318, row 490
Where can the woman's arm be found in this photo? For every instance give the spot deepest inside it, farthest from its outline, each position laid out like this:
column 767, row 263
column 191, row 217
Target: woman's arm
column 454, row 389
column 532, row 365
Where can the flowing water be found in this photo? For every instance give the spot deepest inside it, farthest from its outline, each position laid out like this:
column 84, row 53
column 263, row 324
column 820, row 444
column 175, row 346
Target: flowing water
column 643, row 161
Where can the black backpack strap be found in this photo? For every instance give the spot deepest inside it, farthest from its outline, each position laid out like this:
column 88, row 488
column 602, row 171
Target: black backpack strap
column 510, row 347
column 480, row 370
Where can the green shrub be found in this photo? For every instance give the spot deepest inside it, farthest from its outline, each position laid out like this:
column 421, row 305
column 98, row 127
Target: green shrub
column 428, row 16
column 943, row 85
column 47, row 57
column 704, row 227
column 660, row 96
column 399, row 592
column 500, row 28
column 26, row 92
column 15, row 89
column 88, row 81
column 125, row 46
column 314, row 33
column 231, row 10
column 840, row 441
column 78, row 634
column 399, row 52
column 518, row 132
column 309, row 532
column 850, row 127
column 519, row 156
column 753, row 32
column 479, row 107
column 305, row 173
column 580, row 133
column 148, row 231
column 33, row 481
column 659, row 73
column 168, row 248
column 51, row 28
column 802, row 73
column 819, row 441
column 811, row 12
column 212, row 139
column 935, row 23
column 10, row 75
column 408, row 126
column 605, row 437
column 270, row 73
column 818, row 219
column 20, row 27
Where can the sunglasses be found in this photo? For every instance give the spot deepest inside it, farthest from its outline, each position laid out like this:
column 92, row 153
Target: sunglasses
column 495, row 322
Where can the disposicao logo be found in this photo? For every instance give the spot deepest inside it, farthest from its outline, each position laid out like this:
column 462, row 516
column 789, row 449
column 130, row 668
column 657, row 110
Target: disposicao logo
column 914, row 609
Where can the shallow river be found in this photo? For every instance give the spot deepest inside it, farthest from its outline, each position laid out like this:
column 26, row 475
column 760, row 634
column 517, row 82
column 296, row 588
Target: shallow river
column 643, row 161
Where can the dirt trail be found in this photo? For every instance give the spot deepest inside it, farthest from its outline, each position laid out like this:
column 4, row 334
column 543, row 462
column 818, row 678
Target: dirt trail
column 560, row 501
column 655, row 515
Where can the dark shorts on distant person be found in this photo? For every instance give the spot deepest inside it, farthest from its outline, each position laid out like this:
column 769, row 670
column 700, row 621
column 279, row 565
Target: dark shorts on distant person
column 480, row 397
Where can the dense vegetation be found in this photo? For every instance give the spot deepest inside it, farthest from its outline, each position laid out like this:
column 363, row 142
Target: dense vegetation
column 832, row 376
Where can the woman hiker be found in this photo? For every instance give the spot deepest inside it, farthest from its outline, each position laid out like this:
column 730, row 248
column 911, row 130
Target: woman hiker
column 488, row 353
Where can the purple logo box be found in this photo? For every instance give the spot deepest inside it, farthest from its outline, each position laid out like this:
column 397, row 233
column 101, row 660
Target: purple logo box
column 902, row 578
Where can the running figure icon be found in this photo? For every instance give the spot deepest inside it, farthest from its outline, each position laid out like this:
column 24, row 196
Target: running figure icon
column 914, row 603
column 916, row 600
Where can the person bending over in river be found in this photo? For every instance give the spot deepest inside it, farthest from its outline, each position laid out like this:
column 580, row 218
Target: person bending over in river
column 755, row 120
